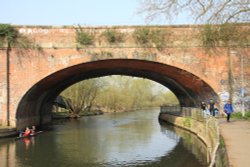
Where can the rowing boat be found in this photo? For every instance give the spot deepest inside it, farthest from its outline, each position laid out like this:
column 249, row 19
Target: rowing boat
column 31, row 135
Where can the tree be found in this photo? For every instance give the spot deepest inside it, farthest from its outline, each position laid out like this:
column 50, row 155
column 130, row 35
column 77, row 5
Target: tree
column 123, row 93
column 81, row 96
column 142, row 93
column 114, row 94
column 202, row 11
column 169, row 98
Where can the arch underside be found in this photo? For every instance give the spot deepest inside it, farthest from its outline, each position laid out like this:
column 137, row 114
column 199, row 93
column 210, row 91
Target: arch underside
column 37, row 102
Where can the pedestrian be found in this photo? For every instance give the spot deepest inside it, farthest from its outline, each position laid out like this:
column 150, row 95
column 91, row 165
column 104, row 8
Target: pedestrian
column 216, row 109
column 204, row 109
column 211, row 107
column 203, row 105
column 228, row 109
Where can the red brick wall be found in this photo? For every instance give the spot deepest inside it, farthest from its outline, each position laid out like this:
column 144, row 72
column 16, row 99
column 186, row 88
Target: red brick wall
column 183, row 51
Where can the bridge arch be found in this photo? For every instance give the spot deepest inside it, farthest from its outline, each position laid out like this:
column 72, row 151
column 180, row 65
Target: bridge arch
column 36, row 105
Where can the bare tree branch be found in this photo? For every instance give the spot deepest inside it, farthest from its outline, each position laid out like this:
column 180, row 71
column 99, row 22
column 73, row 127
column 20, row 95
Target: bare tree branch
column 202, row 11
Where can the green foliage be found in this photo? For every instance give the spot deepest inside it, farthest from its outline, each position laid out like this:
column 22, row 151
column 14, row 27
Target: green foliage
column 82, row 95
column 168, row 98
column 10, row 37
column 222, row 142
column 187, row 122
column 150, row 37
column 224, row 34
column 112, row 36
column 8, row 34
column 114, row 94
column 209, row 36
column 158, row 38
column 227, row 33
column 238, row 115
column 83, row 38
column 142, row 35
column 247, row 114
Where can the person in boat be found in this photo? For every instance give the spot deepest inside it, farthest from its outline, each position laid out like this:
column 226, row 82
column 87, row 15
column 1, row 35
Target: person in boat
column 27, row 132
column 33, row 130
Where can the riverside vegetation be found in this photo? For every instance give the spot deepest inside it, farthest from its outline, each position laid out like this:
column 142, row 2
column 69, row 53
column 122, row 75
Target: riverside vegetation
column 111, row 94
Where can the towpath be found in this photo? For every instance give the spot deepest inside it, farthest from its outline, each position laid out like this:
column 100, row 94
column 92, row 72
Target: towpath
column 236, row 135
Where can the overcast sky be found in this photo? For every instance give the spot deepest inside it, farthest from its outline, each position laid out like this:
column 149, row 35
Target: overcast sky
column 73, row 12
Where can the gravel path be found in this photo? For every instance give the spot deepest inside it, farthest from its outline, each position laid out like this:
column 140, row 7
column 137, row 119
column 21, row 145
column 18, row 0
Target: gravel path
column 236, row 134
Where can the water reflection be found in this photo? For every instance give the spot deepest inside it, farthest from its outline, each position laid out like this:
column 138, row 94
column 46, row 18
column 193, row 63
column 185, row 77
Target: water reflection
column 121, row 139
column 190, row 141
column 7, row 153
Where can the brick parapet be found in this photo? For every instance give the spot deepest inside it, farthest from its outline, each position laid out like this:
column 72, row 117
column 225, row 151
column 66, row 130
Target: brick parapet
column 57, row 51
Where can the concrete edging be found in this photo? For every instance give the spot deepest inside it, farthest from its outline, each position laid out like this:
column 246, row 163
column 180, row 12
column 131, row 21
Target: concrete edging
column 199, row 129
column 6, row 132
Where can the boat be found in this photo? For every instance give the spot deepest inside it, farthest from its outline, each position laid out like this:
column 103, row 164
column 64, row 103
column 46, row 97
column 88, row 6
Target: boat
column 31, row 135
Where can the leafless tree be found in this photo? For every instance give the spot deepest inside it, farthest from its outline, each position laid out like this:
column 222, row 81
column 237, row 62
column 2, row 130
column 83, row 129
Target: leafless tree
column 80, row 97
column 202, row 11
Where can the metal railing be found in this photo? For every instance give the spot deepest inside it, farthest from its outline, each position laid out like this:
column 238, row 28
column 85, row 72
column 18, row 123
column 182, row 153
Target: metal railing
column 191, row 112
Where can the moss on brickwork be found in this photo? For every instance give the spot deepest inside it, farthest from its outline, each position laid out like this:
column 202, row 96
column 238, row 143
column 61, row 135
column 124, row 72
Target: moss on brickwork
column 187, row 122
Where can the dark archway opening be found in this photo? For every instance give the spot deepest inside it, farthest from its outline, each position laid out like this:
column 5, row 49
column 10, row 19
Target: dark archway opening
column 35, row 107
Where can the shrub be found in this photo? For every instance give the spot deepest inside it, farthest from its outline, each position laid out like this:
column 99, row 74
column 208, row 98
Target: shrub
column 142, row 36
column 83, row 38
column 247, row 114
column 238, row 115
column 226, row 34
column 112, row 36
column 146, row 37
column 10, row 37
column 8, row 34
column 158, row 38
column 209, row 36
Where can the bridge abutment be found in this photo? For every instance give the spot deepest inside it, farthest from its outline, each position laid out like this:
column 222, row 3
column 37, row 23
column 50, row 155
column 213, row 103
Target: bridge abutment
column 183, row 65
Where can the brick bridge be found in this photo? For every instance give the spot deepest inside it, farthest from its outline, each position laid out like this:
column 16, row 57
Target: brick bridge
column 38, row 75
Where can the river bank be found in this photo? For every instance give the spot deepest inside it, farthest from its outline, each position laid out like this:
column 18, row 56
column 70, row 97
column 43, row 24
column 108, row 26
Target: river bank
column 7, row 131
column 67, row 115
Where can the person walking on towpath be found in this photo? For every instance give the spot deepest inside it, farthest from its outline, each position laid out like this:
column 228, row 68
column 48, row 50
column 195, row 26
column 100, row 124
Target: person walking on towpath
column 204, row 109
column 211, row 107
column 228, row 109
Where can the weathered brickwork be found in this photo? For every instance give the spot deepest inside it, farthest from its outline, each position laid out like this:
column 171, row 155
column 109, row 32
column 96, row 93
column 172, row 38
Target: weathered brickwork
column 192, row 72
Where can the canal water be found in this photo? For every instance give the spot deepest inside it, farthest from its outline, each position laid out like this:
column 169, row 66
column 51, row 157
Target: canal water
column 130, row 139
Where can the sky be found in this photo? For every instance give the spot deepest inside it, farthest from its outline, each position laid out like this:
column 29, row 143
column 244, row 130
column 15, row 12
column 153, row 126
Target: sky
column 73, row 12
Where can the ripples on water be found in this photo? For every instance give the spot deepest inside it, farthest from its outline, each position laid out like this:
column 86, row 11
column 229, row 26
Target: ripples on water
column 111, row 140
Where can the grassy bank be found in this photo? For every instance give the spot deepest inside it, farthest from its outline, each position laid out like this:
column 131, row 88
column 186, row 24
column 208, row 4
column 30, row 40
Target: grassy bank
column 238, row 115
